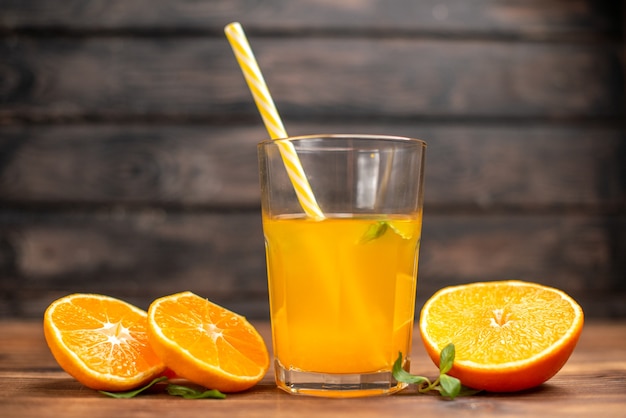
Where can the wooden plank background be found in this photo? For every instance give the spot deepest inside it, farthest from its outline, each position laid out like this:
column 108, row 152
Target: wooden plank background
column 127, row 139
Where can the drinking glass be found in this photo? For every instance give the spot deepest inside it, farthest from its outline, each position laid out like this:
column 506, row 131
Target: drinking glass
column 342, row 287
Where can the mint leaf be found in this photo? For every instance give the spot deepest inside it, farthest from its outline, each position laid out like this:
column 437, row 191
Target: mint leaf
column 450, row 386
column 446, row 385
column 190, row 393
column 466, row 391
column 403, row 376
column 403, row 233
column 133, row 393
column 446, row 359
column 172, row 389
column 374, row 231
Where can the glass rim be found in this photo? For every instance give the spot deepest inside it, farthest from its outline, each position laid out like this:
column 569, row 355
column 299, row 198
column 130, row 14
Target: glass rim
column 380, row 137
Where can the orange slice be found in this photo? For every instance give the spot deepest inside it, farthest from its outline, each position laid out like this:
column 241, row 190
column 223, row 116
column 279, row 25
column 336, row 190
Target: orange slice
column 101, row 341
column 206, row 343
column 508, row 335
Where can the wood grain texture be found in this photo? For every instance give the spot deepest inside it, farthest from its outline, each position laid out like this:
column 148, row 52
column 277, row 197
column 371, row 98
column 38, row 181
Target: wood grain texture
column 196, row 78
column 592, row 382
column 127, row 139
column 532, row 18
column 140, row 257
column 215, row 165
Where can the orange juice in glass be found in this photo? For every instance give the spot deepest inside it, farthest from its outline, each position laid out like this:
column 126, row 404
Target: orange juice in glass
column 342, row 288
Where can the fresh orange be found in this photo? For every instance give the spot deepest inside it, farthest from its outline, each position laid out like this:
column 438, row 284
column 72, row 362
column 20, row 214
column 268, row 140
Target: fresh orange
column 206, row 343
column 508, row 335
column 101, row 341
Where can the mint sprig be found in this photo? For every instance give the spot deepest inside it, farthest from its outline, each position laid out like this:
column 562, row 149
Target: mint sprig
column 445, row 384
column 171, row 389
column 374, row 231
column 378, row 229
column 191, row 393
column 133, row 393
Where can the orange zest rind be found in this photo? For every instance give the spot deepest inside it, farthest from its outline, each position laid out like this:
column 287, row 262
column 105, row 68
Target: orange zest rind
column 206, row 343
column 508, row 335
column 101, row 341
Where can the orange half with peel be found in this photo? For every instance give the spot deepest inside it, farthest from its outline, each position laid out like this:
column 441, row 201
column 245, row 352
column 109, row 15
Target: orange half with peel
column 206, row 343
column 508, row 335
column 101, row 341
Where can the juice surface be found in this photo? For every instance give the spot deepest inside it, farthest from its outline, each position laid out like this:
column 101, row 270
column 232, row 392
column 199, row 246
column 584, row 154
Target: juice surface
column 342, row 291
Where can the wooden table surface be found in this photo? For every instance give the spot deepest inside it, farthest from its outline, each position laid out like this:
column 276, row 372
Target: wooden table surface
column 592, row 383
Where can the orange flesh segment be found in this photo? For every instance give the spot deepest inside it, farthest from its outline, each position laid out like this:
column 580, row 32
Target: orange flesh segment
column 101, row 341
column 508, row 335
column 206, row 343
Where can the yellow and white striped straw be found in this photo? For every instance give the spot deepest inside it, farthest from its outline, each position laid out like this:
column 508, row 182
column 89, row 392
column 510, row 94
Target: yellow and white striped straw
column 271, row 119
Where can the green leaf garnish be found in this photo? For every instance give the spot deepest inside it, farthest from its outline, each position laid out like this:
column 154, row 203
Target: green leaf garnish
column 446, row 385
column 446, row 359
column 190, row 393
column 374, row 231
column 450, row 386
column 172, row 389
column 403, row 376
column 133, row 393
column 404, row 233
column 378, row 229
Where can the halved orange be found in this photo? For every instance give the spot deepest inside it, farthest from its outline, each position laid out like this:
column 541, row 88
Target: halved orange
column 101, row 341
column 206, row 343
column 508, row 335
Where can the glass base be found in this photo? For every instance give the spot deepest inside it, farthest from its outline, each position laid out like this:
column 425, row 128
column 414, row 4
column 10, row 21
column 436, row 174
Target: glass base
column 330, row 385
